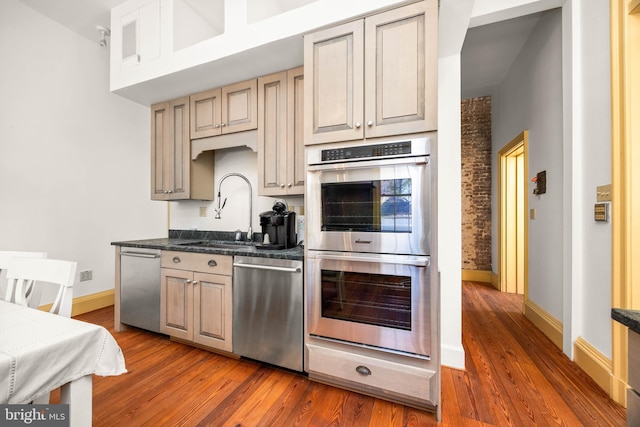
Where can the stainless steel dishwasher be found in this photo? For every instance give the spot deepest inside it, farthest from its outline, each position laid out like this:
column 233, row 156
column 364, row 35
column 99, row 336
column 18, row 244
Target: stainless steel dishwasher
column 140, row 288
column 268, row 310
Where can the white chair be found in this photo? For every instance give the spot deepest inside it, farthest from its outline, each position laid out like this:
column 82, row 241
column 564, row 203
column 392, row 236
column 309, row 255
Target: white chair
column 23, row 272
column 5, row 256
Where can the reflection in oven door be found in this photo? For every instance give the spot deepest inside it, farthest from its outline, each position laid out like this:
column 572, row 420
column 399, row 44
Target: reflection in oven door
column 376, row 300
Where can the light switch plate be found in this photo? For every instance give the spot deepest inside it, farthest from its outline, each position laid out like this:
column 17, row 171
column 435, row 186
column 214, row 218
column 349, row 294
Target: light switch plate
column 603, row 193
column 532, row 213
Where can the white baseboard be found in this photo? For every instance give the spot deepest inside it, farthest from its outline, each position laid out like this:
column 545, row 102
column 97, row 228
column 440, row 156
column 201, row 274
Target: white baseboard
column 451, row 356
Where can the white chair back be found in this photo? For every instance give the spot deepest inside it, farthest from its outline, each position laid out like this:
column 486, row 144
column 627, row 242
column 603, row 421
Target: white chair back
column 5, row 256
column 24, row 271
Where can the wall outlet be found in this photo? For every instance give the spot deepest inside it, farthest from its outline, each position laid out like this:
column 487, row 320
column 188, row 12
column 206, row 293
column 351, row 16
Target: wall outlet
column 86, row 275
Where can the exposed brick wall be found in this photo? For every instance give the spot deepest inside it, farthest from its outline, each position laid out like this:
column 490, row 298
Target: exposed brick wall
column 476, row 183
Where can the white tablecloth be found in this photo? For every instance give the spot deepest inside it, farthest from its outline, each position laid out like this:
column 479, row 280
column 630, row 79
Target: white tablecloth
column 40, row 352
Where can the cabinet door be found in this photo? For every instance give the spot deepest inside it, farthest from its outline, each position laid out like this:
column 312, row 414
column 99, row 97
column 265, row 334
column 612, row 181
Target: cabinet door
column 176, row 299
column 272, row 134
column 206, row 114
column 159, row 134
column 139, row 34
column 239, row 107
column 400, row 70
column 295, row 132
column 170, row 150
column 177, row 164
column 333, row 69
column 174, row 176
column 213, row 313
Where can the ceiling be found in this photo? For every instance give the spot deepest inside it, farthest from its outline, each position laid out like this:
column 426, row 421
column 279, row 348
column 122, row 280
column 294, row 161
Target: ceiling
column 487, row 53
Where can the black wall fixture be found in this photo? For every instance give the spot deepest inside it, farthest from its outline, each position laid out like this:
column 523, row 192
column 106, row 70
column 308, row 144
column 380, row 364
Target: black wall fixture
column 541, row 183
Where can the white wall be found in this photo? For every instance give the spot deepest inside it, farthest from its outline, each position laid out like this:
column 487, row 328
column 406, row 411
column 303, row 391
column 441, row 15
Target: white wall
column 235, row 215
column 530, row 97
column 593, row 319
column 559, row 89
column 74, row 158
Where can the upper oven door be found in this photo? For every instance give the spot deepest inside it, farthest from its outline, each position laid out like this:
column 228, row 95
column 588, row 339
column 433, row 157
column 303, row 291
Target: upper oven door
column 378, row 206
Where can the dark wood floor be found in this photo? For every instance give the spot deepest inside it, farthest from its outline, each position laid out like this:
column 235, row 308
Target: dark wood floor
column 515, row 377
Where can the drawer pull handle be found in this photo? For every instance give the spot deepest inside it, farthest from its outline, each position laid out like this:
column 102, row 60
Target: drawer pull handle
column 176, row 259
column 212, row 263
column 363, row 370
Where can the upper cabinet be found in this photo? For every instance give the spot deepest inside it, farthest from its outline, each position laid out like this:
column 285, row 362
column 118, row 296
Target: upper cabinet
column 280, row 134
column 136, row 38
column 174, row 176
column 233, row 108
column 163, row 48
column 372, row 77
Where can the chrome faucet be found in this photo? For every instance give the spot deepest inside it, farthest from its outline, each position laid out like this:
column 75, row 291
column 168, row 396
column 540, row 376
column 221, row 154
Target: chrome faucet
column 219, row 208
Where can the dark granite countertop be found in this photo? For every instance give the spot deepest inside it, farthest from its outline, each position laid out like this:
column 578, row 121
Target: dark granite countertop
column 181, row 240
column 629, row 318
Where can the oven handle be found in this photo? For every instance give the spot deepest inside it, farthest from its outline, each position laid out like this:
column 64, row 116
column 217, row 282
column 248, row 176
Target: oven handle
column 414, row 262
column 268, row 267
column 422, row 160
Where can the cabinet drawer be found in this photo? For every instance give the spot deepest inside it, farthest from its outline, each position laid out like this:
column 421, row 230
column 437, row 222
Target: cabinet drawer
column 388, row 376
column 204, row 263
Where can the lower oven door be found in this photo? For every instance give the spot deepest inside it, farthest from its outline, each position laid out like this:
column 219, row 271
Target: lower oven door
column 376, row 300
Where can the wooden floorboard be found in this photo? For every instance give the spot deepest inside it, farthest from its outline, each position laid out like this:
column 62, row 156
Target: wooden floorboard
column 514, row 376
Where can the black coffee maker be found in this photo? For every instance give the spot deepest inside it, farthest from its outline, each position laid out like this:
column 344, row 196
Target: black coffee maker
column 278, row 228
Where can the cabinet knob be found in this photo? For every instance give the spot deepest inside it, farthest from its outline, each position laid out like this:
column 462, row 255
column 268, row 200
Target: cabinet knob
column 281, row 185
column 363, row 370
column 176, row 259
column 189, row 281
column 369, row 123
column 195, row 282
column 289, row 185
column 223, row 125
column 217, row 125
column 358, row 124
column 212, row 263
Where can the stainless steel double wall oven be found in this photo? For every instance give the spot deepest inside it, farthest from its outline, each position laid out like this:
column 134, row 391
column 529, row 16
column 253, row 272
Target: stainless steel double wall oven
column 368, row 244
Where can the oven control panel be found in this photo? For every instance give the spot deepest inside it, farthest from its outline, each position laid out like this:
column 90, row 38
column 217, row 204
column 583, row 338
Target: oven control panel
column 367, row 151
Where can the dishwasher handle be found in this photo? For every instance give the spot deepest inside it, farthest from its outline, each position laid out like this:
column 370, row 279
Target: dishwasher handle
column 139, row 255
column 268, row 267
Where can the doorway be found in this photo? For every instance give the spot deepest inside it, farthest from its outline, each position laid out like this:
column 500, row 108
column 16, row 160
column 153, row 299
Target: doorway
column 512, row 215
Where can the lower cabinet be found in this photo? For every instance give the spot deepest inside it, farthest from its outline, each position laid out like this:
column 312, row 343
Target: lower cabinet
column 196, row 298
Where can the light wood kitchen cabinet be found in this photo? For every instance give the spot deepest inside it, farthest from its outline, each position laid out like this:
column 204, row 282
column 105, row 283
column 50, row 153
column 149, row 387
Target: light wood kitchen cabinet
column 196, row 298
column 174, row 176
column 224, row 110
column 281, row 133
column 372, row 77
